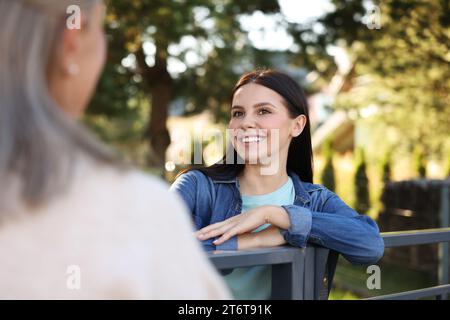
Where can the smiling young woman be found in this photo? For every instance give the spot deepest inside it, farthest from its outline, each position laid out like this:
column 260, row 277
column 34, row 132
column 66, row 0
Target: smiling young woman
column 241, row 205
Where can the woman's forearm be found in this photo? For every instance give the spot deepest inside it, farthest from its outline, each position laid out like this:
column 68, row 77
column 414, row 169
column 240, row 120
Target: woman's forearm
column 269, row 237
column 248, row 241
column 277, row 216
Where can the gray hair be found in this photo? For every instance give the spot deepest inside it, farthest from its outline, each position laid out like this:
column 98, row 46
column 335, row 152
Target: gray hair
column 38, row 141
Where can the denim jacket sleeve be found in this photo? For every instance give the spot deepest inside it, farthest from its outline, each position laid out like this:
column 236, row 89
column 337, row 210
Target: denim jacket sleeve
column 196, row 201
column 338, row 227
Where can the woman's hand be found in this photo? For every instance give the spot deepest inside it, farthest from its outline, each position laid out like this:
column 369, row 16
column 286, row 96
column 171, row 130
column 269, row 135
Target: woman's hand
column 239, row 224
column 269, row 237
column 245, row 222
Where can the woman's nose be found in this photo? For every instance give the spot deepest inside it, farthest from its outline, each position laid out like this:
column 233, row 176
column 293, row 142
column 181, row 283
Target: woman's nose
column 248, row 122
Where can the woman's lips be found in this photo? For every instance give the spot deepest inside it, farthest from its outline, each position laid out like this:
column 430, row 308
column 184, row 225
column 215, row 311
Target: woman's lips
column 248, row 140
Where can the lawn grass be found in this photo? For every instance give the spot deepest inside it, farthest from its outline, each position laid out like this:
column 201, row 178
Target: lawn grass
column 350, row 281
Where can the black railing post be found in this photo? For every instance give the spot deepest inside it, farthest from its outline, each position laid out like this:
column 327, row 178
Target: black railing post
column 443, row 247
column 287, row 278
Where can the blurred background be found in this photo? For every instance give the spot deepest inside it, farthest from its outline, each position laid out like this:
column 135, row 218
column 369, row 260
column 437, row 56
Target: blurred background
column 377, row 76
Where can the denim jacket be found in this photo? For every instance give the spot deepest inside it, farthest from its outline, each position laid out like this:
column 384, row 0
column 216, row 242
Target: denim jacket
column 317, row 216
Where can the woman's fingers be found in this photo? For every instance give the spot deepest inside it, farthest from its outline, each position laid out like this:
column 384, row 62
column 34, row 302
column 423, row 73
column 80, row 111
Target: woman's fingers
column 238, row 224
column 217, row 231
column 210, row 227
column 239, row 227
column 227, row 235
column 205, row 233
column 235, row 230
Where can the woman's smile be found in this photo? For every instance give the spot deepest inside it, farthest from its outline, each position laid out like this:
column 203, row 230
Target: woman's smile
column 251, row 140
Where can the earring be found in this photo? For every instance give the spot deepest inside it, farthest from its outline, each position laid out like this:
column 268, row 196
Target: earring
column 73, row 69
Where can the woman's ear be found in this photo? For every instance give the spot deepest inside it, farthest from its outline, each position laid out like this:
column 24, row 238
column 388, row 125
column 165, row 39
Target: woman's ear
column 69, row 58
column 299, row 125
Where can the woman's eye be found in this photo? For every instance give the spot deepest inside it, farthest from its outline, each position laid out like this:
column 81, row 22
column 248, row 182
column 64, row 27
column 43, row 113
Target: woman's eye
column 237, row 114
column 263, row 111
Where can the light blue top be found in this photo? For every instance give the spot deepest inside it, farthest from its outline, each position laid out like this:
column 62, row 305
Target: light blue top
column 255, row 282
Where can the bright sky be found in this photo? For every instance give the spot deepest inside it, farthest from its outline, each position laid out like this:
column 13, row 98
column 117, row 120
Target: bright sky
column 304, row 10
column 265, row 32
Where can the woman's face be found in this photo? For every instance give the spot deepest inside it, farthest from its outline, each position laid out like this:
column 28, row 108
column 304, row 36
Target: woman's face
column 80, row 61
column 261, row 125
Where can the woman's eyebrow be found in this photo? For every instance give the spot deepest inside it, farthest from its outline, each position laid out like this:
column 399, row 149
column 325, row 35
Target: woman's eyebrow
column 256, row 105
column 259, row 104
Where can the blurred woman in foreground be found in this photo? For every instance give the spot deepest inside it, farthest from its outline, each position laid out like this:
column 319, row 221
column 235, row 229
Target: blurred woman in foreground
column 74, row 221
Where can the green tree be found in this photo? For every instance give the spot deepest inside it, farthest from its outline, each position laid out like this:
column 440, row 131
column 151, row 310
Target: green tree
column 361, row 183
column 447, row 167
column 419, row 163
column 409, row 86
column 386, row 168
column 146, row 33
column 327, row 177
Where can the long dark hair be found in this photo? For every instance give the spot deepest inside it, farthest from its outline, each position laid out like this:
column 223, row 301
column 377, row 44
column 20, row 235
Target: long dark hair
column 300, row 156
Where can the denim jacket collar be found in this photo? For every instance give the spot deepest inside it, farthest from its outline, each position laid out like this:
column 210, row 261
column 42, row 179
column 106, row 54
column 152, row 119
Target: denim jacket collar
column 301, row 190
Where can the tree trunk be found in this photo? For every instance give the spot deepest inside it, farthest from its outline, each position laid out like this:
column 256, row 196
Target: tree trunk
column 158, row 135
column 160, row 85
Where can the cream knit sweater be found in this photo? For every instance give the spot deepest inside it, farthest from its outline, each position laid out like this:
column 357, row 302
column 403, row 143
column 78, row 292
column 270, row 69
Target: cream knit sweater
column 111, row 235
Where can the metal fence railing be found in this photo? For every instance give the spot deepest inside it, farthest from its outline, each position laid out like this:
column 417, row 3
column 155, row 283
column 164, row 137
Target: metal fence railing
column 307, row 273
column 427, row 236
column 297, row 273
column 421, row 237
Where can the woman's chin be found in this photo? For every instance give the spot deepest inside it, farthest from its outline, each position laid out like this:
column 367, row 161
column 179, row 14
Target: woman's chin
column 255, row 160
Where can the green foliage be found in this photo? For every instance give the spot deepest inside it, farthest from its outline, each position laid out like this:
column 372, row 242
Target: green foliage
column 395, row 278
column 361, row 183
column 419, row 163
column 131, row 25
column 328, row 177
column 386, row 168
column 409, row 86
column 447, row 168
column 144, row 34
